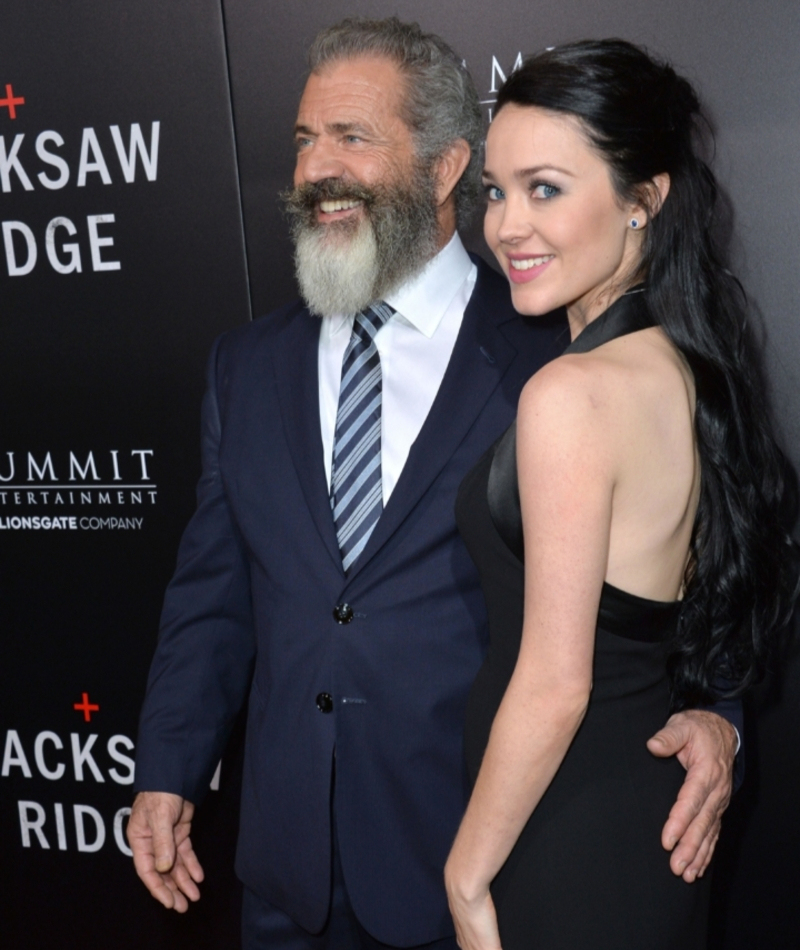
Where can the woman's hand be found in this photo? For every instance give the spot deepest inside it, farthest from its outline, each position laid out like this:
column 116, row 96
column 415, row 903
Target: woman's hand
column 474, row 916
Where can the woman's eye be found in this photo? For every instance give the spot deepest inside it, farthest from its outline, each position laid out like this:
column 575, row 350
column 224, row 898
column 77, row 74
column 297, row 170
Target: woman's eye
column 542, row 189
column 494, row 193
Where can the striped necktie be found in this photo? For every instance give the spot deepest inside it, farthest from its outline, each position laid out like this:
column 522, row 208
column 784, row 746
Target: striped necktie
column 356, row 488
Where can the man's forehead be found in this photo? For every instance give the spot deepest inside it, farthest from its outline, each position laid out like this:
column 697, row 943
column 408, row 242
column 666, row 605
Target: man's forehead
column 369, row 64
column 369, row 80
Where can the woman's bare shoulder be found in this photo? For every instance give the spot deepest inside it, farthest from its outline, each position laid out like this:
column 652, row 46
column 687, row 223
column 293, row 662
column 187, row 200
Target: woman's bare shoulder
column 572, row 386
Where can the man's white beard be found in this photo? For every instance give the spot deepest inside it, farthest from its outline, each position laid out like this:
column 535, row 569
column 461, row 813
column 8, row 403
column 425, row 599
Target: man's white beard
column 345, row 266
column 337, row 270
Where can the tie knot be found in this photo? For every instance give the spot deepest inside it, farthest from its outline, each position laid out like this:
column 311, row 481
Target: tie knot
column 374, row 317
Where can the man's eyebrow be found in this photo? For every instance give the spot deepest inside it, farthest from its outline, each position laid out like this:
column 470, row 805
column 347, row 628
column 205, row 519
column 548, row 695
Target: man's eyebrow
column 338, row 128
column 342, row 128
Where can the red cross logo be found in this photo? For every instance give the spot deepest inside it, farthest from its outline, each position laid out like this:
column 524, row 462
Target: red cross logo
column 10, row 102
column 86, row 707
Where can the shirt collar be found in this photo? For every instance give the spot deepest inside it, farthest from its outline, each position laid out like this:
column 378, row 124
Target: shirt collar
column 423, row 299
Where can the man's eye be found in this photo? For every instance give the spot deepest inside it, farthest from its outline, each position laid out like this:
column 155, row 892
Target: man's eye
column 352, row 138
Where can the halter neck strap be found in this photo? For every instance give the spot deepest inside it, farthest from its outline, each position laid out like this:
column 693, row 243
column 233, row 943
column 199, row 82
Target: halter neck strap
column 627, row 314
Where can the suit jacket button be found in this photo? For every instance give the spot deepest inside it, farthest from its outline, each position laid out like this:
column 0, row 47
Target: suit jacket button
column 343, row 613
column 325, row 702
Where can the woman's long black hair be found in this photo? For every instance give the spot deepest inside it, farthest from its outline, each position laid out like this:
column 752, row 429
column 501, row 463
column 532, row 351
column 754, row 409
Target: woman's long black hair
column 741, row 578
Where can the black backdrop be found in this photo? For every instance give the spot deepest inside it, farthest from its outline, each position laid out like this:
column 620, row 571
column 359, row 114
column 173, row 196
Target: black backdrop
column 102, row 375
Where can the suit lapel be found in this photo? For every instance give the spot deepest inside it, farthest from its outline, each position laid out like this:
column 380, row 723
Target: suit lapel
column 295, row 359
column 480, row 358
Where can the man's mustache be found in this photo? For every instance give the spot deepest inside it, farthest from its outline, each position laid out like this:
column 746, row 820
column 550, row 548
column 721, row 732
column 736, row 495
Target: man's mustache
column 305, row 198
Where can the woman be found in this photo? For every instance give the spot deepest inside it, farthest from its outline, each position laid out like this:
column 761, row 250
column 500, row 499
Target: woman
column 633, row 510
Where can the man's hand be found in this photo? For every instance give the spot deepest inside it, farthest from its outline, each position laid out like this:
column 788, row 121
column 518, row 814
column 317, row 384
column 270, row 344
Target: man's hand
column 705, row 745
column 158, row 833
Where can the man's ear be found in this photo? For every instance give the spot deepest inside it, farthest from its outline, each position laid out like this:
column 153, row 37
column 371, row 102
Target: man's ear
column 450, row 166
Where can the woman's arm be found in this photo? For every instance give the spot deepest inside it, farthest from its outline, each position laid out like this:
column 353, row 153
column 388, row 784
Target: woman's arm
column 566, row 478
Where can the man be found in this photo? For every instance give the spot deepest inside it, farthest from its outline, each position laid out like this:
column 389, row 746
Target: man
column 322, row 579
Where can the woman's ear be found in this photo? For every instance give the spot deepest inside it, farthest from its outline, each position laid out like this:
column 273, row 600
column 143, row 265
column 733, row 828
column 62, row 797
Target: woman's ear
column 659, row 191
column 653, row 195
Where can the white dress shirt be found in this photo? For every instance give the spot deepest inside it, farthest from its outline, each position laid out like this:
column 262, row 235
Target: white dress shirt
column 415, row 347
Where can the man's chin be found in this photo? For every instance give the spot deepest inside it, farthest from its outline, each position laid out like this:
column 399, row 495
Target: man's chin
column 336, row 268
column 339, row 231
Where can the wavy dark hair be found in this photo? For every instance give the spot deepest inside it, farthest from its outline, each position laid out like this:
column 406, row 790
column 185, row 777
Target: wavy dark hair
column 741, row 580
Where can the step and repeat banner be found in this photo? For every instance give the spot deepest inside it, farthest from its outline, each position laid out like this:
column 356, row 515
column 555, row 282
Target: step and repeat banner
column 121, row 259
column 142, row 149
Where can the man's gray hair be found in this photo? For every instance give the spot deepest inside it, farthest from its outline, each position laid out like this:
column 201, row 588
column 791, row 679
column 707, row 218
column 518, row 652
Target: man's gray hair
column 441, row 103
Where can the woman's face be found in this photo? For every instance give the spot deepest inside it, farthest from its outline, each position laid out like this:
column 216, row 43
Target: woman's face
column 554, row 221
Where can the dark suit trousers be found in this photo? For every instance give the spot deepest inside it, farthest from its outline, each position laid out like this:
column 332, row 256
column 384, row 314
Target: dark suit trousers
column 264, row 927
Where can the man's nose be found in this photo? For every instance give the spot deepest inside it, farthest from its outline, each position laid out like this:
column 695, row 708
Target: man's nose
column 316, row 162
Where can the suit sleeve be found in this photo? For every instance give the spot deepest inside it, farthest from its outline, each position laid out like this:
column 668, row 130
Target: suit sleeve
column 201, row 670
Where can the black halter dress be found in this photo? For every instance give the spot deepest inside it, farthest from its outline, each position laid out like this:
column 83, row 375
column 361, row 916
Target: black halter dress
column 588, row 871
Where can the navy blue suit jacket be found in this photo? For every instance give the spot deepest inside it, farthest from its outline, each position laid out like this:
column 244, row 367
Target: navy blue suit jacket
column 248, row 617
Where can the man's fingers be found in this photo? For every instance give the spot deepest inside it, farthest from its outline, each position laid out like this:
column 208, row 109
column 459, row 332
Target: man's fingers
column 696, row 843
column 190, row 861
column 667, row 741
column 168, row 889
column 158, row 832
column 692, row 798
column 187, row 872
column 163, row 842
column 179, row 901
column 697, row 867
column 152, row 880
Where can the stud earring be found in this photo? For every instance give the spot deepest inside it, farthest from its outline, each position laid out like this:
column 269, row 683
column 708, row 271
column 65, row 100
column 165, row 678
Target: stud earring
column 634, row 223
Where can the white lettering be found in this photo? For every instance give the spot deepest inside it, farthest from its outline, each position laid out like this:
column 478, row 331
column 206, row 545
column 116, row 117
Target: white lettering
column 141, row 453
column 61, row 827
column 89, row 143
column 15, row 269
column 84, row 755
column 51, row 159
column 73, row 466
column 47, row 466
column 74, row 251
column 9, row 160
column 119, row 832
column 27, row 825
column 117, row 756
column 96, row 242
column 80, row 833
column 38, row 754
column 14, row 756
column 11, row 464
column 127, row 160
column 497, row 72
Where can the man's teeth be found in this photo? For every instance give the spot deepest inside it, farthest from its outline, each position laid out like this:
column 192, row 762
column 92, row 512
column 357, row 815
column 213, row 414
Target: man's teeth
column 531, row 262
column 341, row 204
